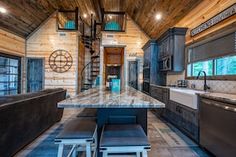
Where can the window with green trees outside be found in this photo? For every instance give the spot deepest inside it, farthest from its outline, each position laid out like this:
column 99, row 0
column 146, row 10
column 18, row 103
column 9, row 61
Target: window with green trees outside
column 214, row 67
column 226, row 66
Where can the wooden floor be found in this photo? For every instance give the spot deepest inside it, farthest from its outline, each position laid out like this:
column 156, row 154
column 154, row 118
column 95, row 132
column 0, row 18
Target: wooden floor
column 166, row 140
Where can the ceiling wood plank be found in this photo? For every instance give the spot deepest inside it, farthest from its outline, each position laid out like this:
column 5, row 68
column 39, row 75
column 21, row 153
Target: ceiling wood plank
column 24, row 16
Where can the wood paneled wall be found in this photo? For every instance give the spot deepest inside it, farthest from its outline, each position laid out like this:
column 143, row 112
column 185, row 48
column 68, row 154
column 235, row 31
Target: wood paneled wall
column 133, row 40
column 11, row 44
column 46, row 40
column 204, row 11
column 81, row 64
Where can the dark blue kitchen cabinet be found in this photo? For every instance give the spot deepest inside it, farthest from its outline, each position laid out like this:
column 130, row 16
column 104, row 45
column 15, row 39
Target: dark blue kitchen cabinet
column 184, row 118
column 150, row 66
column 171, row 48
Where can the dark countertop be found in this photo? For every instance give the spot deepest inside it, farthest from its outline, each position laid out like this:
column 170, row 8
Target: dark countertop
column 101, row 98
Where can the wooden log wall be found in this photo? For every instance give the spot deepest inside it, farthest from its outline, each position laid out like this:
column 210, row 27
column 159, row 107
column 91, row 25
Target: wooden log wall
column 133, row 39
column 46, row 40
column 203, row 12
column 11, row 44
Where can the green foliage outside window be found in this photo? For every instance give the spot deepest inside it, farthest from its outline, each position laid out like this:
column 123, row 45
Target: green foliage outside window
column 226, row 66
column 223, row 66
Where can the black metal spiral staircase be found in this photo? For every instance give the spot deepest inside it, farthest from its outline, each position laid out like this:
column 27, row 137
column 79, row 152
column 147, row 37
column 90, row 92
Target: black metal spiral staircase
column 90, row 72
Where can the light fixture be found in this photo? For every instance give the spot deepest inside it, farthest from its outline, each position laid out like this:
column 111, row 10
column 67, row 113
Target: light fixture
column 85, row 15
column 3, row 10
column 158, row 16
column 110, row 17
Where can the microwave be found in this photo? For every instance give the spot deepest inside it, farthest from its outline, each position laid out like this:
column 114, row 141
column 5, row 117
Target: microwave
column 166, row 63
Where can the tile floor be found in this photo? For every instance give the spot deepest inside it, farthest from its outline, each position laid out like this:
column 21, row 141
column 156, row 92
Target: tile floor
column 166, row 140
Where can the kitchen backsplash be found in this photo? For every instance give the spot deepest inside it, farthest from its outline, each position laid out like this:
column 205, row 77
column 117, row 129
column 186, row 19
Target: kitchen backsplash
column 221, row 86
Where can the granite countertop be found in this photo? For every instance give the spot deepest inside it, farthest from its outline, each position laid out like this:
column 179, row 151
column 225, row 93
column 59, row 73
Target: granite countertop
column 223, row 97
column 167, row 87
column 101, row 98
column 230, row 98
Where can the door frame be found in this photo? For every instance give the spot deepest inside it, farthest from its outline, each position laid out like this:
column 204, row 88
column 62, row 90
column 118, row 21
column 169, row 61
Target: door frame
column 102, row 67
column 26, row 71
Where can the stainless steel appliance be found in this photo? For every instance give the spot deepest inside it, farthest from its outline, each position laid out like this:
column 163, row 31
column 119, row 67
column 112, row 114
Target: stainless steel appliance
column 166, row 63
column 218, row 127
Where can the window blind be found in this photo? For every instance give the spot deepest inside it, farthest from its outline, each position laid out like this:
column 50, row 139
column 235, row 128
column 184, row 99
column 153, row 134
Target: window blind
column 222, row 46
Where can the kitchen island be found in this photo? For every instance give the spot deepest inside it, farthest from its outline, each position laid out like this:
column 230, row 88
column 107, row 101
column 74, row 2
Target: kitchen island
column 129, row 106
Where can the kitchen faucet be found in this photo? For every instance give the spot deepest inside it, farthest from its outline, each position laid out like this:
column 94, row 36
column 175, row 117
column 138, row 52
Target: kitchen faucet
column 205, row 84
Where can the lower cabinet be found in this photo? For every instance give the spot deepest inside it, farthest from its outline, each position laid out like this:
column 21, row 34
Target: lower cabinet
column 184, row 118
column 161, row 94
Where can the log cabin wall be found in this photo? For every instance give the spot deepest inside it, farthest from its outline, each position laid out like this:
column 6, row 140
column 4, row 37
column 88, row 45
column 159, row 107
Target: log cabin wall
column 203, row 12
column 132, row 39
column 11, row 44
column 46, row 40
column 81, row 64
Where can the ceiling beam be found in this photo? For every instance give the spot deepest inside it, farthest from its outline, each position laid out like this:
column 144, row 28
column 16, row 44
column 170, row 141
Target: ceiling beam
column 98, row 9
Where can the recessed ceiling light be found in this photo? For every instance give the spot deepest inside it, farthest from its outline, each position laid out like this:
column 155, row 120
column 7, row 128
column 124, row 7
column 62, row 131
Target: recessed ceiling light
column 110, row 17
column 85, row 15
column 158, row 16
column 2, row 10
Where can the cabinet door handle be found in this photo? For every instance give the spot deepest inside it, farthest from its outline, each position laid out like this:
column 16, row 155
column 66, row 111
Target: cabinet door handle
column 177, row 108
column 222, row 106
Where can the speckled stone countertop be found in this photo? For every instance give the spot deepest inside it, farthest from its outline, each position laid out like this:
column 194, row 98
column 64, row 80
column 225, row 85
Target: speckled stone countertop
column 223, row 97
column 101, row 98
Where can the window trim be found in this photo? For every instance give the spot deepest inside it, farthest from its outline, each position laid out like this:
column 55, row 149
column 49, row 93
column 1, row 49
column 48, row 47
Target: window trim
column 123, row 30
column 19, row 69
column 76, row 12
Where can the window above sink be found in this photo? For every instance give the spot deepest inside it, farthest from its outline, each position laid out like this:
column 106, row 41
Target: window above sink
column 223, row 66
column 217, row 57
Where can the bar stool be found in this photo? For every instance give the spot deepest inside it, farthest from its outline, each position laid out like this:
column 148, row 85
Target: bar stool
column 119, row 139
column 81, row 134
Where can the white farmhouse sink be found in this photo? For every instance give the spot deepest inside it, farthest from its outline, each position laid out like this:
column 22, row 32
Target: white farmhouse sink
column 187, row 97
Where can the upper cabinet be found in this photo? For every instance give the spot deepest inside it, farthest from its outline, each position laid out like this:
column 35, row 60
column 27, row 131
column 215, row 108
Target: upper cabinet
column 171, row 47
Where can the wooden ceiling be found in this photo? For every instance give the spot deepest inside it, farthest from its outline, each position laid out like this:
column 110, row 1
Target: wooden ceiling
column 24, row 16
column 143, row 13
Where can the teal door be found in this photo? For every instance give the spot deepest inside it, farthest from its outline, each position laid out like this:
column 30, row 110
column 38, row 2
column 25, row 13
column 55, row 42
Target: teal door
column 35, row 74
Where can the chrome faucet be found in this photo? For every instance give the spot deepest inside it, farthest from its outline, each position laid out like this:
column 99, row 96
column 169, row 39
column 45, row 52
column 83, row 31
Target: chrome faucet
column 205, row 84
